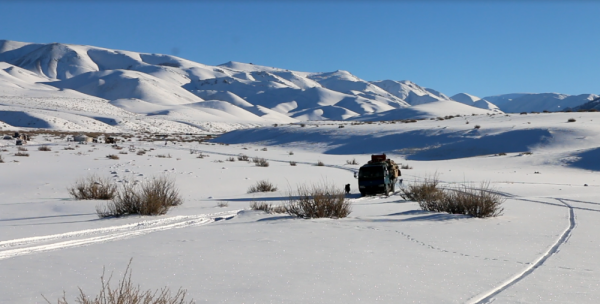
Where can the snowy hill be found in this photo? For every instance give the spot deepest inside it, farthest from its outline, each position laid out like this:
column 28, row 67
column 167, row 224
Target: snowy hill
column 475, row 101
column 529, row 102
column 197, row 97
column 163, row 87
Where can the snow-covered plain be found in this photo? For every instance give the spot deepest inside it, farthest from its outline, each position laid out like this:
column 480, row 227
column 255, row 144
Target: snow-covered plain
column 544, row 248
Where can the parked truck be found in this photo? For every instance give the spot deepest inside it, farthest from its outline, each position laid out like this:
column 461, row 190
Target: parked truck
column 379, row 175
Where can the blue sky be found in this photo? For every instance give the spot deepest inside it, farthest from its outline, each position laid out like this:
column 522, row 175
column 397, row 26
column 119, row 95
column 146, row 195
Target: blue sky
column 479, row 47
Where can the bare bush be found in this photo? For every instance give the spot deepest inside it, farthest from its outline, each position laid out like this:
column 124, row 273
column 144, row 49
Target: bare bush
column 479, row 201
column 152, row 197
column 69, row 148
column 266, row 207
column 351, row 162
column 477, row 127
column 230, row 159
column 222, row 204
column 406, row 167
column 243, row 157
column 262, row 186
column 317, row 201
column 93, row 187
column 163, row 156
column 127, row 293
column 1, row 159
column 141, row 152
column 22, row 149
column 426, row 193
column 320, row 163
column 571, row 120
column 22, row 154
column 112, row 156
column 260, row 162
column 292, row 163
column 44, row 148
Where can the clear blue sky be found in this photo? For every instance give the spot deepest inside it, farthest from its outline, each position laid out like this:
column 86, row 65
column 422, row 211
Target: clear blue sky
column 480, row 47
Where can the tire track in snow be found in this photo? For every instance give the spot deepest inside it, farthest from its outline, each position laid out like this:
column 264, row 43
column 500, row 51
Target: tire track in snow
column 66, row 240
column 488, row 296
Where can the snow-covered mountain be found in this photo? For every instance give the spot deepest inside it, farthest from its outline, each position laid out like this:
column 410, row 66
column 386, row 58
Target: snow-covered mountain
column 187, row 94
column 528, row 102
column 475, row 101
column 138, row 91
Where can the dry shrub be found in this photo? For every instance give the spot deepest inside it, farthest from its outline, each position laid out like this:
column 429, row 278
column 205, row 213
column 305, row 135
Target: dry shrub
column 426, row 193
column 112, row 156
column 320, row 163
column 465, row 199
column 141, row 152
column 22, row 154
column 22, row 149
column 318, row 200
column 230, row 159
column 406, row 167
column 260, row 162
column 266, row 207
column 292, row 163
column 474, row 201
column 243, row 157
column 222, row 204
column 152, row 197
column 93, row 187
column 1, row 159
column 163, row 156
column 69, row 148
column 44, row 148
column 262, row 186
column 571, row 120
column 351, row 162
column 127, row 293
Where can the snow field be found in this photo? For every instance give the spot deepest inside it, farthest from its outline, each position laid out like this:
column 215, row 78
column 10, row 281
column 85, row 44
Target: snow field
column 542, row 249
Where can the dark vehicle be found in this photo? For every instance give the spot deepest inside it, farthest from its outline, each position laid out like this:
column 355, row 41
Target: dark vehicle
column 379, row 175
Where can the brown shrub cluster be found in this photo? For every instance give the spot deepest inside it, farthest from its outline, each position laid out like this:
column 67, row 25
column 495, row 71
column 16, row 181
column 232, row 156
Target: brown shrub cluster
column 93, row 187
column 126, row 292
column 266, row 207
column 317, row 201
column 152, row 197
column 262, row 186
column 479, row 201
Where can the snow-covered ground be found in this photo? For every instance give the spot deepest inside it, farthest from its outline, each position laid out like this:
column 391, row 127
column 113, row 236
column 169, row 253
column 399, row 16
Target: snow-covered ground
column 543, row 248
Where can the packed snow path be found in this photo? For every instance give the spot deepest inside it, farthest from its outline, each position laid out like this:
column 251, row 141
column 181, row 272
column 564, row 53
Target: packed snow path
column 19, row 247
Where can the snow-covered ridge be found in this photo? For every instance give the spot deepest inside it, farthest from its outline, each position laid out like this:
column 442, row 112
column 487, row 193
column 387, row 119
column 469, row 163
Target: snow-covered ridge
column 176, row 91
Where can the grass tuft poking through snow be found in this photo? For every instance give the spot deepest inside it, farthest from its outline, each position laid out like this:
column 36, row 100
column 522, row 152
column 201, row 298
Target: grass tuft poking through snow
column 262, row 186
column 152, row 197
column 93, row 187
column 127, row 293
column 260, row 162
column 44, row 148
column 317, row 201
column 465, row 199
column 266, row 207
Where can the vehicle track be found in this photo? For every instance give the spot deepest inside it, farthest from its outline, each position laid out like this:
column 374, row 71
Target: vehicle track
column 489, row 295
column 30, row 245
